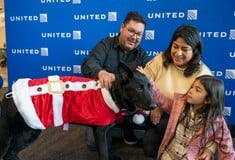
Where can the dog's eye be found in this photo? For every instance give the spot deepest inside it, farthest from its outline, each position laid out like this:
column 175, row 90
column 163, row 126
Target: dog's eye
column 139, row 89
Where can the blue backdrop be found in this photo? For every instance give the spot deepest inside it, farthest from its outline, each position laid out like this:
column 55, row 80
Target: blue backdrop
column 47, row 37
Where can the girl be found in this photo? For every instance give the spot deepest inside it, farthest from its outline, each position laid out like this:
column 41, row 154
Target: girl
column 196, row 118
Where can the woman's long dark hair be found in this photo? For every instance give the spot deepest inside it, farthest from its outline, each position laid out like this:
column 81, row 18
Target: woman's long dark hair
column 192, row 37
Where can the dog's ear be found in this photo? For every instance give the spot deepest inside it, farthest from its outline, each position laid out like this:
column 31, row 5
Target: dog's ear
column 124, row 71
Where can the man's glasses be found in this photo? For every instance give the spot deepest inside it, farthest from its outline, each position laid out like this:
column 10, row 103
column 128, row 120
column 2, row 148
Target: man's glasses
column 132, row 32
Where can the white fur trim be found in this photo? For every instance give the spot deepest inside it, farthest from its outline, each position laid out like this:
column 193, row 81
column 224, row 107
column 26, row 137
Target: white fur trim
column 57, row 100
column 78, row 86
column 109, row 101
column 24, row 104
column 138, row 118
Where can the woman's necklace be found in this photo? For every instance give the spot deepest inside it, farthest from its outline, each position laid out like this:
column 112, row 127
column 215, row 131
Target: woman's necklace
column 180, row 68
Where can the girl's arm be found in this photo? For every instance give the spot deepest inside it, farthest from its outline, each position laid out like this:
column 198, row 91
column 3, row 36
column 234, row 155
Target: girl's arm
column 225, row 146
column 162, row 101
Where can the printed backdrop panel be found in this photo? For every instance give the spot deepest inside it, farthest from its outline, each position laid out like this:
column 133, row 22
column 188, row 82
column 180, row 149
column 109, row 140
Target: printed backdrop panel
column 48, row 37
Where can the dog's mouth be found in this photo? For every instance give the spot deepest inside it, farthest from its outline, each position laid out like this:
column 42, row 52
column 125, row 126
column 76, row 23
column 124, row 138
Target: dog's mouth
column 143, row 110
column 140, row 107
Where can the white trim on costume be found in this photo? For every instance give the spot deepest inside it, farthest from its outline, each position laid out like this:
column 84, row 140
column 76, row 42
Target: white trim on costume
column 24, row 104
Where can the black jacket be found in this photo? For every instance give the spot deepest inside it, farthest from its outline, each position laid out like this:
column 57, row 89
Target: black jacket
column 107, row 54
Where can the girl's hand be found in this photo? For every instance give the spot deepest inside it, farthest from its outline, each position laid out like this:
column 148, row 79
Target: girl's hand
column 205, row 154
column 140, row 69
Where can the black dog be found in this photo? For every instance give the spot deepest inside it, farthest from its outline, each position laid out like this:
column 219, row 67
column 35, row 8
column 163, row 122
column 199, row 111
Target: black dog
column 129, row 91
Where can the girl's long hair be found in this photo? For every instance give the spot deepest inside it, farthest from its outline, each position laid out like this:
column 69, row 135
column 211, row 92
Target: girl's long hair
column 211, row 111
column 192, row 37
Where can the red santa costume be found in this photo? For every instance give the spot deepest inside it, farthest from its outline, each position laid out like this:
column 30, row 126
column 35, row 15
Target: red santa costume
column 55, row 101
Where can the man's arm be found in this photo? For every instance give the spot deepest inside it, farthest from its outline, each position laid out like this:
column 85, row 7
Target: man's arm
column 94, row 62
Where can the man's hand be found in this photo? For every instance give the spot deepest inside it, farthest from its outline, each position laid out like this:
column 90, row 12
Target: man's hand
column 155, row 115
column 106, row 78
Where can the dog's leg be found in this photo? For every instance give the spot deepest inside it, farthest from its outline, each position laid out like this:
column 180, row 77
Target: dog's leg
column 4, row 137
column 20, row 141
column 102, row 139
column 4, row 132
column 103, row 142
column 16, row 134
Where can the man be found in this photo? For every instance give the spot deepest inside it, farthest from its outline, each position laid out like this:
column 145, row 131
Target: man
column 105, row 57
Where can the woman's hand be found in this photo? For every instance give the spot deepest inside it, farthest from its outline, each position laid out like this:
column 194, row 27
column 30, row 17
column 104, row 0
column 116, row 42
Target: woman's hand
column 155, row 115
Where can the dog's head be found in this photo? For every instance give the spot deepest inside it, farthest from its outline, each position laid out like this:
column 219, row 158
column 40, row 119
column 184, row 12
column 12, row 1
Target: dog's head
column 132, row 90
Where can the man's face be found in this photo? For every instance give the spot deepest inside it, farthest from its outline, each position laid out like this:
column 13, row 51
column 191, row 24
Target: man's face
column 131, row 35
